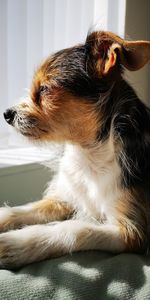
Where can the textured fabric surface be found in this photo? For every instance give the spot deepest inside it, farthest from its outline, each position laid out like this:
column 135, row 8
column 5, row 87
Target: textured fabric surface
column 87, row 275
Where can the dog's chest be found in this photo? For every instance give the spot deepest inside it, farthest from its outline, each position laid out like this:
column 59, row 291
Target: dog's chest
column 90, row 183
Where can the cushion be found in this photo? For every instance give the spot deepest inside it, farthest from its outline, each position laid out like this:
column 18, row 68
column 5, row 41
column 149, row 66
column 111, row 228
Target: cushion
column 90, row 275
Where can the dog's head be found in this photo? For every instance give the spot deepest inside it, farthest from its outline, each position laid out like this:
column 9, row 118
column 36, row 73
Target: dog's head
column 69, row 89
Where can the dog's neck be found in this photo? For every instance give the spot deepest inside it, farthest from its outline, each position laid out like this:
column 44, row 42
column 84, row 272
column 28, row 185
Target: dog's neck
column 95, row 174
column 97, row 157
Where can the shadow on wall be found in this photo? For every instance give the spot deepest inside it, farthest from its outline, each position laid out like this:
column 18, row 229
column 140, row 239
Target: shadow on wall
column 138, row 28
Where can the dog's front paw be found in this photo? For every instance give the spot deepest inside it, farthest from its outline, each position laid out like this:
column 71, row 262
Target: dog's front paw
column 6, row 219
column 9, row 219
column 11, row 251
column 17, row 248
column 22, row 246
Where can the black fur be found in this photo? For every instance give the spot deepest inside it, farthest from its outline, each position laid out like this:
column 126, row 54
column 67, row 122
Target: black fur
column 120, row 107
column 132, row 128
column 74, row 75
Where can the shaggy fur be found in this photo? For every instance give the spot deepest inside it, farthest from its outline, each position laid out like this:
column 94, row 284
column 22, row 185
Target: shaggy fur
column 100, row 197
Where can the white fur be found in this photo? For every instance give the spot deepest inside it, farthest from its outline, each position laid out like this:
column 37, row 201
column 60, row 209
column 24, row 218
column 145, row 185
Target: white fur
column 87, row 179
column 37, row 242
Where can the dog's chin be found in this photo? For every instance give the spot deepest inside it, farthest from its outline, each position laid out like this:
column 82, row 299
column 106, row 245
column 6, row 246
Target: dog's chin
column 31, row 135
column 30, row 131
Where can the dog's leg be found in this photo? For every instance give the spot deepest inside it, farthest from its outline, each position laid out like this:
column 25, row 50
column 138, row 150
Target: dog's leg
column 38, row 242
column 40, row 212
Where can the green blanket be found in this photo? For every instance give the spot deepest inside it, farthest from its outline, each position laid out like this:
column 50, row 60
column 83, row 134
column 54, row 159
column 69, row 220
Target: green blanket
column 87, row 275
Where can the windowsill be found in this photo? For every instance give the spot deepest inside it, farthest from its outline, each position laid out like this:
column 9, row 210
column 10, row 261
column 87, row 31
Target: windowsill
column 23, row 177
column 20, row 160
column 15, row 160
column 16, row 169
column 16, row 156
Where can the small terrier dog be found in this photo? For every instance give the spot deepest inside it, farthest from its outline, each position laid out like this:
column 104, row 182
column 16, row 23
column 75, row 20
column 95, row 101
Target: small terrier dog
column 100, row 198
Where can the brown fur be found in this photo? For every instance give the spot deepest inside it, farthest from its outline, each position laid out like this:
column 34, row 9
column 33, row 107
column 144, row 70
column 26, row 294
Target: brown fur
column 43, row 211
column 132, row 221
column 52, row 210
column 67, row 117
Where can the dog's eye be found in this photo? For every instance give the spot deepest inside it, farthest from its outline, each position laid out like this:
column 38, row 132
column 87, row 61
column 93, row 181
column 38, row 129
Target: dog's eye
column 42, row 90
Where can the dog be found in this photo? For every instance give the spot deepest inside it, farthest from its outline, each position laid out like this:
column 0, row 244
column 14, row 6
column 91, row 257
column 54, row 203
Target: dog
column 100, row 198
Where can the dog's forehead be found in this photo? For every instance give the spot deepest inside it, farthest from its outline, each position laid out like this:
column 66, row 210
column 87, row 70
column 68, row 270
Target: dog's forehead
column 50, row 67
column 44, row 73
column 59, row 65
column 57, row 59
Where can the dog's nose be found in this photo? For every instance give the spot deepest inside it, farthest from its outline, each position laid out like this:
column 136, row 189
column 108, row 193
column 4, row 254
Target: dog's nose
column 9, row 115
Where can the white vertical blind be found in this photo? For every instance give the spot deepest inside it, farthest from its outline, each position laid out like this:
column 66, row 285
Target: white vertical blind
column 3, row 65
column 32, row 29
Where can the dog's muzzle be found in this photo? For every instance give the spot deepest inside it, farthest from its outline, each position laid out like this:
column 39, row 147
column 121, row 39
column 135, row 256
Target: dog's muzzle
column 9, row 115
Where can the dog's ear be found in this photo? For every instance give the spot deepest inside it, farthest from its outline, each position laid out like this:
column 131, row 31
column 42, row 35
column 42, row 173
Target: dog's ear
column 108, row 50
